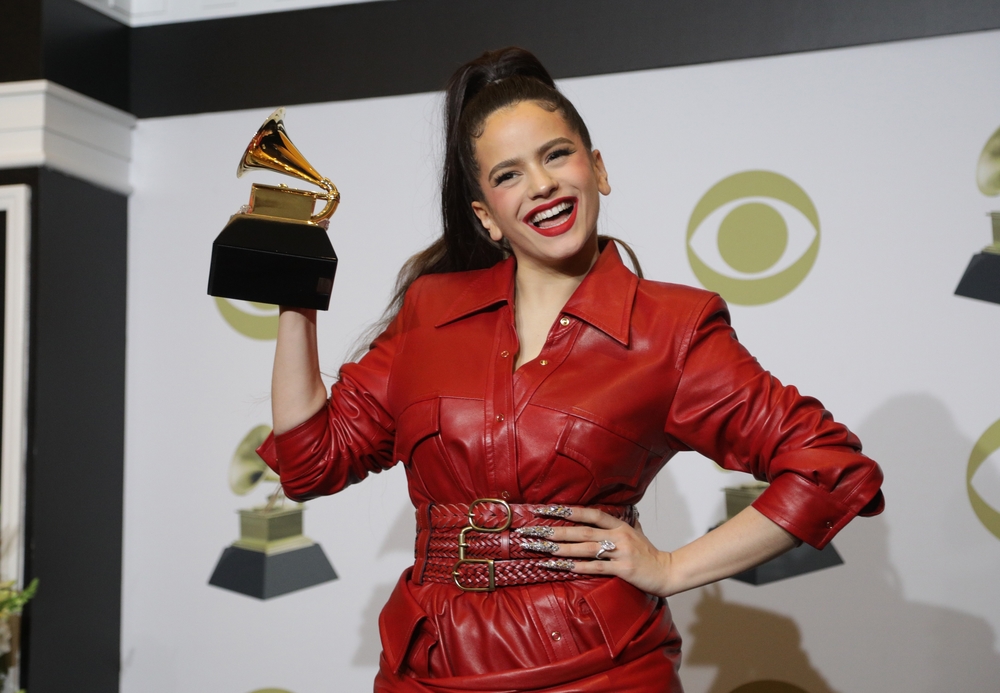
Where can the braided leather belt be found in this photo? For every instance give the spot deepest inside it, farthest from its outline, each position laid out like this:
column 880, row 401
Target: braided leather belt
column 471, row 545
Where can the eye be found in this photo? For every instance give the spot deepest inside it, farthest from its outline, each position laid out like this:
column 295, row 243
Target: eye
column 753, row 237
column 558, row 153
column 502, row 178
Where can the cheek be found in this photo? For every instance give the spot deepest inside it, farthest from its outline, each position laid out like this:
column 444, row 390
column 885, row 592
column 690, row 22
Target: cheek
column 503, row 202
column 581, row 172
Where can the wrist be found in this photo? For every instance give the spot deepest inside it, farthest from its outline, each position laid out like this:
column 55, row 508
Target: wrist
column 667, row 586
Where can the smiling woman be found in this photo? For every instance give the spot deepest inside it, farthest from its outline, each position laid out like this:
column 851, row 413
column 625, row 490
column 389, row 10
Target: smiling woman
column 533, row 386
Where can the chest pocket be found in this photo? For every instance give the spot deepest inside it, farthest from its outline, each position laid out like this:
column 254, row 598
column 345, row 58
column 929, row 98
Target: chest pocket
column 417, row 423
column 613, row 459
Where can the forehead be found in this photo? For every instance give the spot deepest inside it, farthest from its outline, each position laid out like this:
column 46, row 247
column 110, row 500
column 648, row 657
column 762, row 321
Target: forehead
column 518, row 130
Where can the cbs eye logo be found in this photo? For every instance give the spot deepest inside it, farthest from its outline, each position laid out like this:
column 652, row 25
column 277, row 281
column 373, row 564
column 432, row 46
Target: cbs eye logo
column 987, row 444
column 254, row 320
column 753, row 237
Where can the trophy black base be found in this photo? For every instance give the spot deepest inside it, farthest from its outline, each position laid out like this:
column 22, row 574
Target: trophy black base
column 799, row 561
column 277, row 261
column 982, row 278
column 259, row 575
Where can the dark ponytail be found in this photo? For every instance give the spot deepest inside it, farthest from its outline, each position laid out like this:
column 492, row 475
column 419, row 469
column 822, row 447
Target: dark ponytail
column 493, row 81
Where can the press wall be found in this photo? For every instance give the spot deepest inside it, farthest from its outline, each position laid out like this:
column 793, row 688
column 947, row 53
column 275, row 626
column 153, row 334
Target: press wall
column 881, row 140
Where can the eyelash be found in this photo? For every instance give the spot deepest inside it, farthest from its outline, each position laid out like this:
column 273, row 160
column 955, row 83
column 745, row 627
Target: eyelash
column 504, row 177
column 565, row 151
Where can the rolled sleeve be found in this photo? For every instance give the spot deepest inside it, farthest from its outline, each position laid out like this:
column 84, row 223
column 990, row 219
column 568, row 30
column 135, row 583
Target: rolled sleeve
column 348, row 438
column 728, row 408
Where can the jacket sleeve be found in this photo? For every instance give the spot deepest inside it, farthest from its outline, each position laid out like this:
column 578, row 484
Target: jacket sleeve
column 348, row 438
column 731, row 410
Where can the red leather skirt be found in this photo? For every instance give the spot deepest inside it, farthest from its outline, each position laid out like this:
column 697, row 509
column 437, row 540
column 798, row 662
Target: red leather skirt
column 583, row 636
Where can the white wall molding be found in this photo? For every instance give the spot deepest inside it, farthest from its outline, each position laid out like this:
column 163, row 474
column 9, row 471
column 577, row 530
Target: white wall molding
column 147, row 12
column 15, row 202
column 45, row 124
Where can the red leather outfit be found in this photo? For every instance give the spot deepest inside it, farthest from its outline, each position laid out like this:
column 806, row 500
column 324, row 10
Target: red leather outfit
column 631, row 373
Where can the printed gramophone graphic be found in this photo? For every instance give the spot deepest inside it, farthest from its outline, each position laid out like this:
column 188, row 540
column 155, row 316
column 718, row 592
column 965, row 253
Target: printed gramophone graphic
column 982, row 277
column 799, row 561
column 275, row 250
column 272, row 557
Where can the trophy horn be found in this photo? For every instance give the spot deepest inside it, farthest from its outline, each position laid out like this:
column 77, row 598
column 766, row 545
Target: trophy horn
column 988, row 168
column 247, row 469
column 272, row 150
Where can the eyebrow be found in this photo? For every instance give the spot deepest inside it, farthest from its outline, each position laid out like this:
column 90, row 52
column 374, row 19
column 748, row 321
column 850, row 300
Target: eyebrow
column 511, row 162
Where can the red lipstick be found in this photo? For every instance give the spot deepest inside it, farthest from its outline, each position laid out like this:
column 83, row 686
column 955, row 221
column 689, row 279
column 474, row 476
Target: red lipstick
column 553, row 231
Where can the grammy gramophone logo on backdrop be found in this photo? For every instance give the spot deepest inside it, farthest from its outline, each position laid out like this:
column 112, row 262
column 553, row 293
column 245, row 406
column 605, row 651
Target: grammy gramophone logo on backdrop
column 753, row 237
column 982, row 277
column 984, row 448
column 272, row 556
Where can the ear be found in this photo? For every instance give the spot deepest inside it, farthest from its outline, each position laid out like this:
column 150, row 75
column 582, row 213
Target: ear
column 486, row 219
column 603, row 186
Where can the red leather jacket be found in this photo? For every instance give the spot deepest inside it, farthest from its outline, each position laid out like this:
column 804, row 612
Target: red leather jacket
column 632, row 372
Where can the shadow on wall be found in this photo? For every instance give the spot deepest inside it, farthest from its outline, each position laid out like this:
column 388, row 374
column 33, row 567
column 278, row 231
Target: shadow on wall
column 370, row 645
column 918, row 647
column 399, row 539
column 748, row 644
column 888, row 642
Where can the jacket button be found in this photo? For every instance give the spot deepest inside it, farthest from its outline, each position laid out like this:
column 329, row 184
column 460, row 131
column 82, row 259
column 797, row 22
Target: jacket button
column 504, row 354
column 499, row 417
column 564, row 321
column 556, row 635
column 543, row 362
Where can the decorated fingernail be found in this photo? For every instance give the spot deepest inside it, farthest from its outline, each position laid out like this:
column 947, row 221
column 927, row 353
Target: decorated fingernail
column 543, row 531
column 557, row 564
column 553, row 511
column 546, row 546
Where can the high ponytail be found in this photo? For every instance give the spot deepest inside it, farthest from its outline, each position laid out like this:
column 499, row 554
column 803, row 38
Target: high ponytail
column 493, row 81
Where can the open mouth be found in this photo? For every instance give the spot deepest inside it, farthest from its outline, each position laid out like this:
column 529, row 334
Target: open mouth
column 553, row 218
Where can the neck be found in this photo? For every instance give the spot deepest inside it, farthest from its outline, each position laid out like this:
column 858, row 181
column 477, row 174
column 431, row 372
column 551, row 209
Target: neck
column 538, row 285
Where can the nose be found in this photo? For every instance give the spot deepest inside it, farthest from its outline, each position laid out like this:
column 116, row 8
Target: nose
column 541, row 184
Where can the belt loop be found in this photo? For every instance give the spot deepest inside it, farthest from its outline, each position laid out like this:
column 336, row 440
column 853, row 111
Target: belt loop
column 420, row 566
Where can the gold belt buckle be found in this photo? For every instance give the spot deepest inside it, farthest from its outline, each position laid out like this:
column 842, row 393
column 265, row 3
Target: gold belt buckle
column 463, row 544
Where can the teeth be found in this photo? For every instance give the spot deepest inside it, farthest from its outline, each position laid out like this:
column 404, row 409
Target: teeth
column 551, row 212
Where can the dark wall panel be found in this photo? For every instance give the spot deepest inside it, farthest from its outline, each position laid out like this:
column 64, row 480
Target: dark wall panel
column 20, row 40
column 68, row 43
column 86, row 51
column 76, row 433
column 408, row 46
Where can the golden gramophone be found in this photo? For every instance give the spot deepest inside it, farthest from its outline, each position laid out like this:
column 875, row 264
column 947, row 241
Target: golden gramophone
column 982, row 277
column 272, row 557
column 275, row 250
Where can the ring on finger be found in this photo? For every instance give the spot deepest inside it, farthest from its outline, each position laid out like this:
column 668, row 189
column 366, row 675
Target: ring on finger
column 605, row 547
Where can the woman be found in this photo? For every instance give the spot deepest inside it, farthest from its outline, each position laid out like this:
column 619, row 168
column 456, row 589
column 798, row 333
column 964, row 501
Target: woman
column 533, row 386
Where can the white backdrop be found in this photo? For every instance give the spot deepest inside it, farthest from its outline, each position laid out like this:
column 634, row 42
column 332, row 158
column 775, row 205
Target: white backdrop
column 883, row 139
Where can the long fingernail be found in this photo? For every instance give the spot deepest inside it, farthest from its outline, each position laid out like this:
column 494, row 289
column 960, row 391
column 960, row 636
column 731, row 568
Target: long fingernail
column 546, row 546
column 553, row 511
column 543, row 531
column 557, row 564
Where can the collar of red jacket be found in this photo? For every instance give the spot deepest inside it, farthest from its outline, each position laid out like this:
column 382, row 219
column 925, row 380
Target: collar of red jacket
column 604, row 299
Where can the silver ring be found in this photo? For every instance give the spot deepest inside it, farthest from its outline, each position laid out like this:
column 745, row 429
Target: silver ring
column 605, row 546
